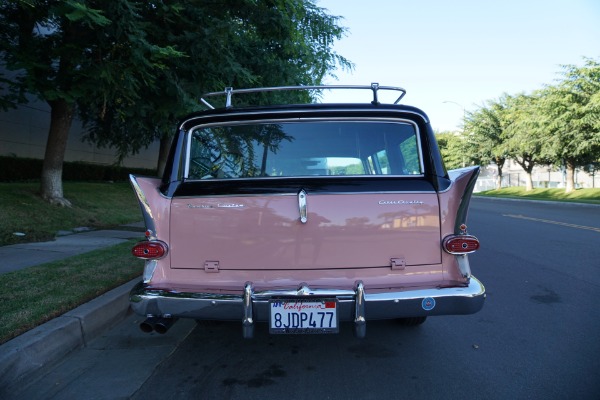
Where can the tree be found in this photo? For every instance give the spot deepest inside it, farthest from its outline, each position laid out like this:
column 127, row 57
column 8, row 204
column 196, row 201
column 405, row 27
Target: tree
column 524, row 133
column 241, row 43
column 484, row 131
column 68, row 52
column 452, row 146
column 572, row 110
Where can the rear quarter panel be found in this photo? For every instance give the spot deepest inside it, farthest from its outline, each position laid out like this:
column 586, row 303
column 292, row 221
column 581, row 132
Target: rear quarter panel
column 454, row 203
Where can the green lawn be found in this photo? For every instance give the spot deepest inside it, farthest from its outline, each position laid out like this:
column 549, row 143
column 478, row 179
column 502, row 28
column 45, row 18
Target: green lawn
column 95, row 205
column 591, row 196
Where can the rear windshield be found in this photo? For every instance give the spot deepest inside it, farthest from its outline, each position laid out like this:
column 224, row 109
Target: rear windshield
column 288, row 149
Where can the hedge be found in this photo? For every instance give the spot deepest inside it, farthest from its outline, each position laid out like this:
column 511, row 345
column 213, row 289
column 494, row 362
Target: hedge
column 13, row 169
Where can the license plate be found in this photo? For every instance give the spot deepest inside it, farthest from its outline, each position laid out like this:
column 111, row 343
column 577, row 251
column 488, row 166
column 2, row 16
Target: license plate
column 304, row 316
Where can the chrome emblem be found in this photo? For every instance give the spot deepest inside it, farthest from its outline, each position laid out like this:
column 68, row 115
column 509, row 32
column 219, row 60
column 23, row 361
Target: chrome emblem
column 229, row 205
column 220, row 205
column 399, row 202
column 199, row 206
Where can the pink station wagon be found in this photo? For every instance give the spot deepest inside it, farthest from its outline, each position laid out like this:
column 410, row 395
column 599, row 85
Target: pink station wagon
column 303, row 216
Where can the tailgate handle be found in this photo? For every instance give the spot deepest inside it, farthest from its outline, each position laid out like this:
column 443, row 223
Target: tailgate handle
column 302, row 206
column 398, row 263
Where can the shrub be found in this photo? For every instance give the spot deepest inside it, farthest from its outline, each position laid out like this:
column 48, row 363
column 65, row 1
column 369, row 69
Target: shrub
column 14, row 169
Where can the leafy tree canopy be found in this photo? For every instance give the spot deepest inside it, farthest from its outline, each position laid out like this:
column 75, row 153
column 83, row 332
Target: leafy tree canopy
column 452, row 146
column 559, row 124
column 484, row 130
column 129, row 68
column 229, row 43
column 572, row 114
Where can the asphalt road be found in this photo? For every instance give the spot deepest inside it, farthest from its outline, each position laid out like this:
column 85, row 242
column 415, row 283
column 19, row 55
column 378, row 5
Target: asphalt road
column 537, row 337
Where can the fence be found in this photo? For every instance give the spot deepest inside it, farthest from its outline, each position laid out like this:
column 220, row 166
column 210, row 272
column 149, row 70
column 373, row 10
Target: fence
column 555, row 179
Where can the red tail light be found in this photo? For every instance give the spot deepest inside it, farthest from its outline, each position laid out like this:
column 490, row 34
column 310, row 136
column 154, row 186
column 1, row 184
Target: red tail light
column 460, row 244
column 149, row 250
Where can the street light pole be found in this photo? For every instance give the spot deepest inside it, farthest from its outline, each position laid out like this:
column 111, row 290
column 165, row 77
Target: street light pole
column 464, row 116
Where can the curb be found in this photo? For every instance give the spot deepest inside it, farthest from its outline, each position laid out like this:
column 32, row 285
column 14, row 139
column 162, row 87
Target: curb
column 49, row 343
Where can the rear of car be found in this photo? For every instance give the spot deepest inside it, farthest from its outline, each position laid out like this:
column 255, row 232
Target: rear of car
column 303, row 216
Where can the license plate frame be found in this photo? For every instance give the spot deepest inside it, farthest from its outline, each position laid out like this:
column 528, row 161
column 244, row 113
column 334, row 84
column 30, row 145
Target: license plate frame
column 304, row 316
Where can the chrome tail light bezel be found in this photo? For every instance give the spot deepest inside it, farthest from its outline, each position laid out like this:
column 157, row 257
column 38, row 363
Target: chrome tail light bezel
column 161, row 246
column 467, row 244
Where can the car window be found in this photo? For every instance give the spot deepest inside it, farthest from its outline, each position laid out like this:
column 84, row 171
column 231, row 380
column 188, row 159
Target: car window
column 288, row 149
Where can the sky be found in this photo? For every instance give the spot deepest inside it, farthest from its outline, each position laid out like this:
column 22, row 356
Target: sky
column 453, row 56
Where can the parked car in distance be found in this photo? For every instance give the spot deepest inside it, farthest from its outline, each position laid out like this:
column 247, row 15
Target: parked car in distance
column 305, row 215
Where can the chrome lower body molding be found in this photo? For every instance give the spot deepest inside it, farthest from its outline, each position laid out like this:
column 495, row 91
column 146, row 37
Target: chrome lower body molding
column 355, row 305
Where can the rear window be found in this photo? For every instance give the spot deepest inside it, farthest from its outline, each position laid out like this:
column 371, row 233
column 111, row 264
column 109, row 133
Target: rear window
column 288, row 149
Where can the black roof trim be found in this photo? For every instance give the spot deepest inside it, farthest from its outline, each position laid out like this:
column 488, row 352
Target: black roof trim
column 320, row 185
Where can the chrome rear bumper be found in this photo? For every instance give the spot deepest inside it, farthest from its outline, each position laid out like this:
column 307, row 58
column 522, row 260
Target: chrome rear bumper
column 353, row 305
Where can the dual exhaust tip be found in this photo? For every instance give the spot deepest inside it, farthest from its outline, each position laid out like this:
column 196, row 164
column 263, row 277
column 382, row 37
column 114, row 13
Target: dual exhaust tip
column 157, row 324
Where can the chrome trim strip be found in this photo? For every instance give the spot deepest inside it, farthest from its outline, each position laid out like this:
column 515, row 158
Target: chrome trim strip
column 149, row 268
column 464, row 266
column 303, row 119
column 294, row 194
column 200, row 117
column 303, row 290
column 187, row 151
column 309, row 119
column 474, row 289
column 282, row 178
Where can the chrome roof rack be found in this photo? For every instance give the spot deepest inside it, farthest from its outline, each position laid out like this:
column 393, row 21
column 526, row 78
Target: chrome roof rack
column 229, row 91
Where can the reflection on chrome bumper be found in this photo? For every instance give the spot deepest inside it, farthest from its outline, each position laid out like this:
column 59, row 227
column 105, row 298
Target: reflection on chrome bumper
column 354, row 305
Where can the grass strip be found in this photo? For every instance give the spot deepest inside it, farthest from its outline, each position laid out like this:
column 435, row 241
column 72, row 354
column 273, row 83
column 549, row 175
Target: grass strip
column 35, row 295
column 589, row 196
column 95, row 205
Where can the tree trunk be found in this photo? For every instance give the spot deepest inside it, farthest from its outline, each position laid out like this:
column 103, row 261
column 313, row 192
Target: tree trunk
column 61, row 117
column 527, row 163
column 570, row 176
column 528, row 181
column 500, row 164
column 163, row 154
column 499, row 179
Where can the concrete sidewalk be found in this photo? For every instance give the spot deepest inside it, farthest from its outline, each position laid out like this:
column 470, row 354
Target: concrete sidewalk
column 18, row 256
column 47, row 344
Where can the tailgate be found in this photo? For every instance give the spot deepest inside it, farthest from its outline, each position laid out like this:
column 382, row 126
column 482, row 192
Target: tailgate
column 341, row 231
